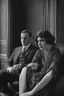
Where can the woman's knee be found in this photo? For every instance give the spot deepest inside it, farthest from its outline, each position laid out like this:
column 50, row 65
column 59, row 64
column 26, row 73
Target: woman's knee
column 24, row 69
column 23, row 72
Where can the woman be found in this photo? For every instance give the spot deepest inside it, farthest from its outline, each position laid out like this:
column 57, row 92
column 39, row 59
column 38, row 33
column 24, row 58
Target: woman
column 36, row 79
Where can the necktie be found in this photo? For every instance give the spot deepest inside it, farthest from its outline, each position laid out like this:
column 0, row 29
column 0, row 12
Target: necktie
column 23, row 49
column 22, row 56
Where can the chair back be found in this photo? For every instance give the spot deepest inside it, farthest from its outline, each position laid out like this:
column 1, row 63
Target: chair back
column 61, row 47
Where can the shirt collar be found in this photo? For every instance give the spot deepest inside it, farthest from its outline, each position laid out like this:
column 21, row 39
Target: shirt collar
column 26, row 47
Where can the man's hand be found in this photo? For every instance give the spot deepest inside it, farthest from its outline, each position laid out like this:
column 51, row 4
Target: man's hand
column 14, row 68
column 9, row 69
column 17, row 66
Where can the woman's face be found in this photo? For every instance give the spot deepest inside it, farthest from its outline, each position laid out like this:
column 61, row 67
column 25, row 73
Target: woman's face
column 42, row 43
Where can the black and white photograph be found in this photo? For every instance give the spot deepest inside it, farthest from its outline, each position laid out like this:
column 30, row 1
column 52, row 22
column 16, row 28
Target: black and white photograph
column 31, row 47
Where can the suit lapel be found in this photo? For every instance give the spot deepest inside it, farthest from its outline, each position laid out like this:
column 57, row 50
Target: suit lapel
column 19, row 50
column 28, row 50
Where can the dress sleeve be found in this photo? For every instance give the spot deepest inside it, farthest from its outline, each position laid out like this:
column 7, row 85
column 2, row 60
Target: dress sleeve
column 37, row 57
column 55, row 61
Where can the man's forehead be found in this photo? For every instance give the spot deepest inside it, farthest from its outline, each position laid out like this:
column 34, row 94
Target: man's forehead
column 24, row 35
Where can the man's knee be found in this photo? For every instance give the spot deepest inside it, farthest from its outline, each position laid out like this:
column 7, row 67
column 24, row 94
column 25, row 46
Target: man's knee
column 2, row 72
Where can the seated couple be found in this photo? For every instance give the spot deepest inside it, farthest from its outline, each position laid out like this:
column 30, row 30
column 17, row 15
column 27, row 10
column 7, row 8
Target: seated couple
column 39, row 73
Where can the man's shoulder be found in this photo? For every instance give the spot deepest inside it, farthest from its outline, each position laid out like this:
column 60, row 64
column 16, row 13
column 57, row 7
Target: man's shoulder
column 34, row 46
column 18, row 48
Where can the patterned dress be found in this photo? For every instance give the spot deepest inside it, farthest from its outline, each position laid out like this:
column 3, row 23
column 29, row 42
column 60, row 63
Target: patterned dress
column 46, row 63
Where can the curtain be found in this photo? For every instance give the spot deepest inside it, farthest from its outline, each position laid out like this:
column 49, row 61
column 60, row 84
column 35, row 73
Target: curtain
column 49, row 16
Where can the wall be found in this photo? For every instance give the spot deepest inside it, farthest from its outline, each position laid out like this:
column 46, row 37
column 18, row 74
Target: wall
column 33, row 15
column 24, row 14
column 34, row 11
column 60, row 21
column 17, row 15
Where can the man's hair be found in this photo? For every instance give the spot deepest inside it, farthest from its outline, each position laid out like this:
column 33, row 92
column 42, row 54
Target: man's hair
column 26, row 31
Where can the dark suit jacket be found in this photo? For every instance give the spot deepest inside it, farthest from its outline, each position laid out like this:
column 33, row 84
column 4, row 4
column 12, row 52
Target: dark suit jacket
column 28, row 56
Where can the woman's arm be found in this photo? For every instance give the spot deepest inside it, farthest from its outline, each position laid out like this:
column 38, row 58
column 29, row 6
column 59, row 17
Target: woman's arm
column 45, row 80
column 33, row 65
column 53, row 67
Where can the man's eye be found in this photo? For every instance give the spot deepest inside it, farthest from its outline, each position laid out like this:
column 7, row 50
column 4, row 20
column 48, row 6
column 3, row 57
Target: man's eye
column 24, row 38
column 42, row 40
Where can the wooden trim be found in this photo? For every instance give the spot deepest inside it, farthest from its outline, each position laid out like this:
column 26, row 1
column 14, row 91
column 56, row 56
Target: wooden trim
column 3, row 42
column 3, row 56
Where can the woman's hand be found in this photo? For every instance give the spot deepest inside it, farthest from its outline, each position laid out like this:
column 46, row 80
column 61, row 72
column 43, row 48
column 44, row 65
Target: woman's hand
column 27, row 94
column 30, row 65
column 33, row 66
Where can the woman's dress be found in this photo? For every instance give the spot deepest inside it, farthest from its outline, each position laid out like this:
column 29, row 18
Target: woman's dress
column 46, row 63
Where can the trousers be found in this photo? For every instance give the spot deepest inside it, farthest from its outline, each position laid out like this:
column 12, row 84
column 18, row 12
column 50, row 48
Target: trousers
column 6, row 76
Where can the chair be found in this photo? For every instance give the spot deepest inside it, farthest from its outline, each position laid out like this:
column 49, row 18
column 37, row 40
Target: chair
column 58, row 89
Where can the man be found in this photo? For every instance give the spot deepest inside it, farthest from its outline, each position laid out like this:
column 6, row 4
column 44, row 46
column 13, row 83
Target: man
column 17, row 58
column 20, row 57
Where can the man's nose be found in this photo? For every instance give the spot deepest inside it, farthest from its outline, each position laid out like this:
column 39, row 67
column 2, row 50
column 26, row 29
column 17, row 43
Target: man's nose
column 23, row 40
column 39, row 43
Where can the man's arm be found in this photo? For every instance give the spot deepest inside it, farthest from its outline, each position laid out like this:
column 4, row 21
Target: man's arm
column 10, row 60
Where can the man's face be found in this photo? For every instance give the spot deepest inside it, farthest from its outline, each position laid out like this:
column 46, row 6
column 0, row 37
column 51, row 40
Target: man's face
column 25, row 39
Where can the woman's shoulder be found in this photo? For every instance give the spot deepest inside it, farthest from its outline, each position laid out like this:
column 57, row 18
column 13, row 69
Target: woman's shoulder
column 56, row 50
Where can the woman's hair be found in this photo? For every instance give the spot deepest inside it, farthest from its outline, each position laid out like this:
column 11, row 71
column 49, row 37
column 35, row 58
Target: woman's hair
column 48, row 37
column 26, row 31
